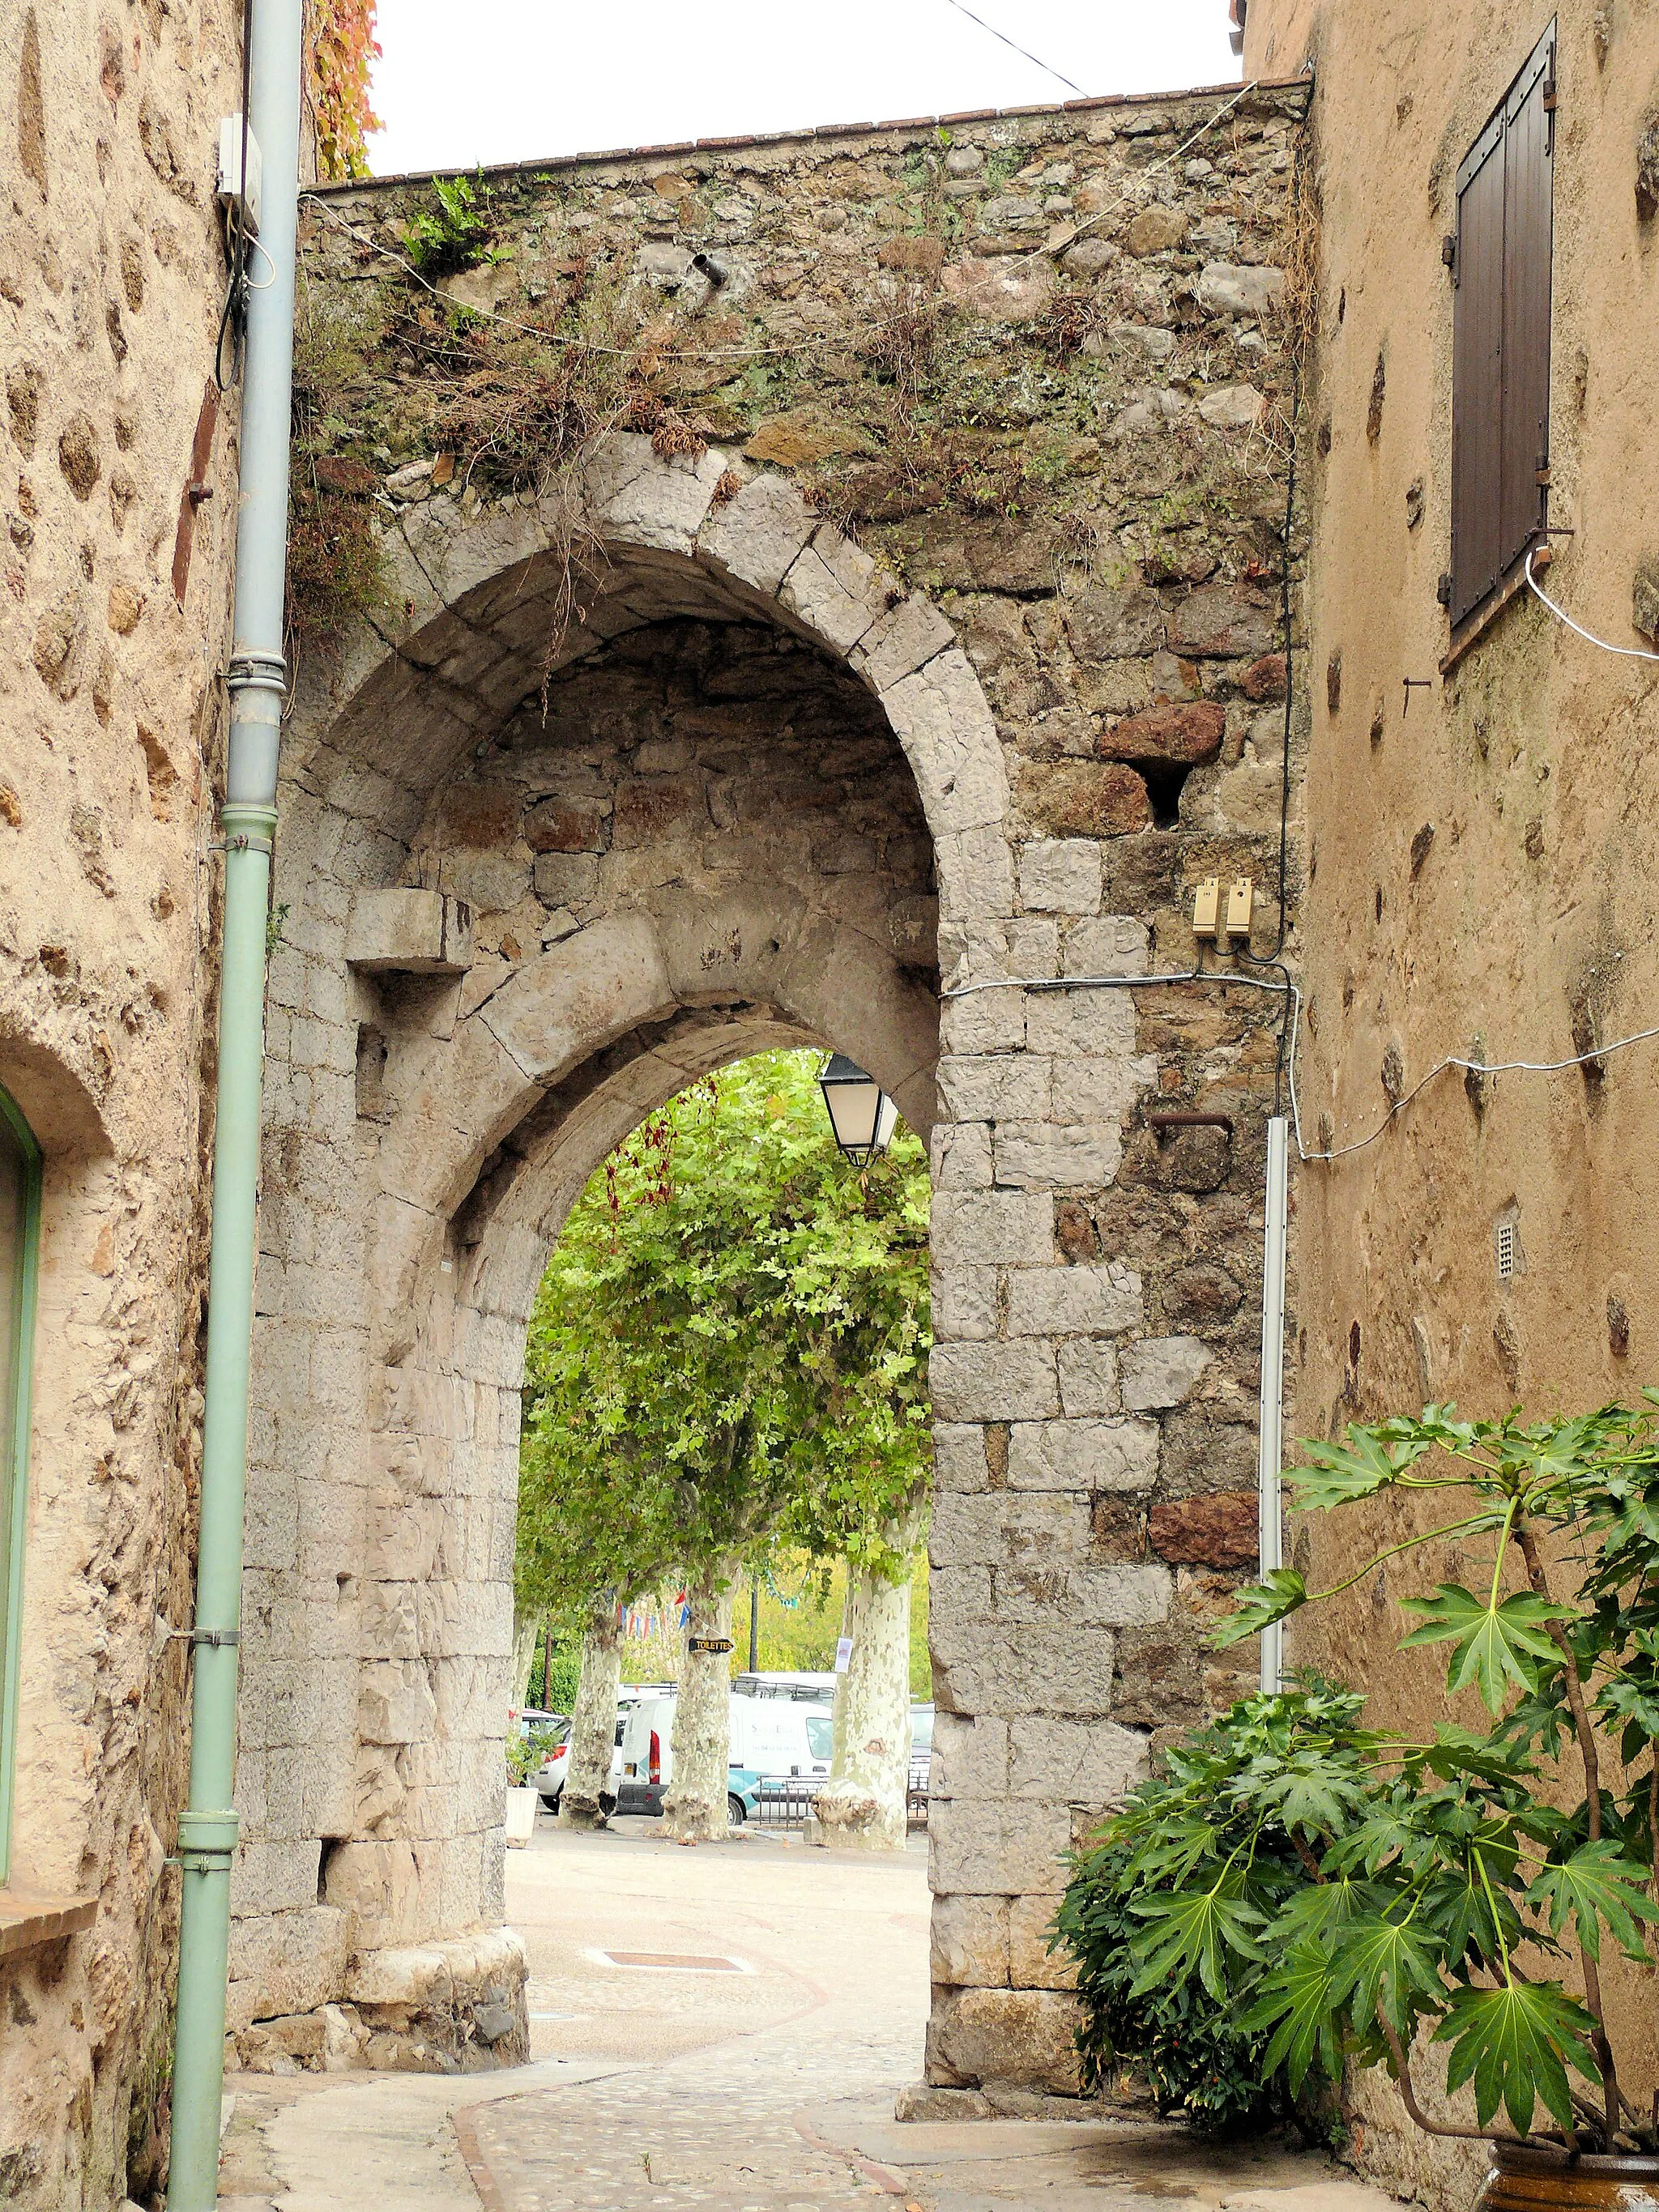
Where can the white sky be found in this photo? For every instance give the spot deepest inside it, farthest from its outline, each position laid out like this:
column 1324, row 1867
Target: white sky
column 462, row 81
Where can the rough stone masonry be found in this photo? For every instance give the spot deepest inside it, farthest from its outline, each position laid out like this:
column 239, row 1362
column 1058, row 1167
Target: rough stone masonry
column 113, row 620
column 929, row 569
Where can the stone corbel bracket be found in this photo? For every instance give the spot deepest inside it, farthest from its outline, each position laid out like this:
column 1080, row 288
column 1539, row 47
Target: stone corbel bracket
column 409, row 933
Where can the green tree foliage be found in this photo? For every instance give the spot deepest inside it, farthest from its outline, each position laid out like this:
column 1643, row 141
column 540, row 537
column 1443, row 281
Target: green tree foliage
column 1435, row 1885
column 732, row 1328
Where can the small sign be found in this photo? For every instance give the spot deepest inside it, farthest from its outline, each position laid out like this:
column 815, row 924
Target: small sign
column 710, row 1644
column 843, row 1654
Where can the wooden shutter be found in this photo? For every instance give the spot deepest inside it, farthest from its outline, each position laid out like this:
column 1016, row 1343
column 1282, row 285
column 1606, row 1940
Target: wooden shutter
column 1501, row 335
column 1529, row 166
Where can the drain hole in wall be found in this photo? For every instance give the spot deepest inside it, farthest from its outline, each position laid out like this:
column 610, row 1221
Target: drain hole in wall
column 1164, row 780
column 330, row 1845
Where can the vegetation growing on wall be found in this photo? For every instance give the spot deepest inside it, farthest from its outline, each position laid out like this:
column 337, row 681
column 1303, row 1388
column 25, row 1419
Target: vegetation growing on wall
column 342, row 49
column 905, row 332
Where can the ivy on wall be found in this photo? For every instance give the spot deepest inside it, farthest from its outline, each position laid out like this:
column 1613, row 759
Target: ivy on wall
column 342, row 49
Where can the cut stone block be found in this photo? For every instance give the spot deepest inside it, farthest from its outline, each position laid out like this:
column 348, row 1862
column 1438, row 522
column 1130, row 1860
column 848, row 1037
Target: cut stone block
column 410, row 932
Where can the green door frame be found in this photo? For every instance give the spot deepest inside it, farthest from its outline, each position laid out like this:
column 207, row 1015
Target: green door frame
column 15, row 1466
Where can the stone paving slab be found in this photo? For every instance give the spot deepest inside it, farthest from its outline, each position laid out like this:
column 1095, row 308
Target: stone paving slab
column 685, row 2093
column 985, row 2166
column 613, row 2155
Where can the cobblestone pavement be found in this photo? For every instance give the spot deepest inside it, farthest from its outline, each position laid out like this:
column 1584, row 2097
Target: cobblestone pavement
column 759, row 2079
column 830, row 2002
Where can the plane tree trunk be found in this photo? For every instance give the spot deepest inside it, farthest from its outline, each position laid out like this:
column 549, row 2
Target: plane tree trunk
column 586, row 1796
column 864, row 1804
column 524, row 1628
column 694, row 1807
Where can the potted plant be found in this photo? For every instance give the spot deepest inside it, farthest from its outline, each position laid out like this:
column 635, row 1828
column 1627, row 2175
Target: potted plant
column 1318, row 1890
column 526, row 1749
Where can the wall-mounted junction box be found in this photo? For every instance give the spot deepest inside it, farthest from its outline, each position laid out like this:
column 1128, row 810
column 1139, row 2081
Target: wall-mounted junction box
column 1240, row 896
column 230, row 186
column 1206, row 908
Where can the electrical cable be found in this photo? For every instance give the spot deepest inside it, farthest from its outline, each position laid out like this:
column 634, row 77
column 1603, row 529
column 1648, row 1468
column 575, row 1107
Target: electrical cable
column 1625, row 652
column 231, row 314
column 1274, row 959
column 1598, row 1053
column 1012, row 48
column 254, row 246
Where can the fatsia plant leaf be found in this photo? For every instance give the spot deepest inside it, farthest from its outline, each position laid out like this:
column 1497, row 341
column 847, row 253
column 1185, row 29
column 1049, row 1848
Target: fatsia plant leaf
column 1322, row 1912
column 1261, row 1604
column 1313, row 1794
column 1633, row 1699
column 1195, row 1931
column 1339, row 1474
column 1458, row 1753
column 1598, row 1886
column 1498, row 1646
column 1389, row 1965
column 1297, row 1996
column 1517, row 2042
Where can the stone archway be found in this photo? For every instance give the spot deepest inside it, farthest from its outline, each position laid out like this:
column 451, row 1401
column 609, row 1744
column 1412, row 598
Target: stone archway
column 529, row 894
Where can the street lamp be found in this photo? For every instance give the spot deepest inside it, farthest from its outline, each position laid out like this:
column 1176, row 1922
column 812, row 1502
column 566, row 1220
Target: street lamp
column 860, row 1113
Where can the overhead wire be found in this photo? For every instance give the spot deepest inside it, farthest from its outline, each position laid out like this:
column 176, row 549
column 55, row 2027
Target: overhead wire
column 1013, row 48
column 1228, row 979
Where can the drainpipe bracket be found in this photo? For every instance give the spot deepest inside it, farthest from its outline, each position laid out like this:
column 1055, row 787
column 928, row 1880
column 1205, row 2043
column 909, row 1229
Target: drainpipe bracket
column 207, row 1841
column 247, row 823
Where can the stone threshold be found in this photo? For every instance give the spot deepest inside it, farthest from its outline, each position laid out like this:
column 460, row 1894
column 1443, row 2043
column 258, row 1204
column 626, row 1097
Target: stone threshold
column 28, row 1920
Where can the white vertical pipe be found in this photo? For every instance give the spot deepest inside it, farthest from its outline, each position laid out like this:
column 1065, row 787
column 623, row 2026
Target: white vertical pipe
column 1270, row 1454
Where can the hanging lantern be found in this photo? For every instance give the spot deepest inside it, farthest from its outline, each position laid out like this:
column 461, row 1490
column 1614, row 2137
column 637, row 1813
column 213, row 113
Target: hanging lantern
column 861, row 1115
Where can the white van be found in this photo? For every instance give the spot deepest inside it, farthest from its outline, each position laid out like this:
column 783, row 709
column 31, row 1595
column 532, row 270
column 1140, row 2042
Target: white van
column 550, row 1780
column 776, row 1738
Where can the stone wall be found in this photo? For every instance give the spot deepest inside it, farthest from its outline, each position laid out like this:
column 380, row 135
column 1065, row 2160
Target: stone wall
column 794, row 779
column 111, row 280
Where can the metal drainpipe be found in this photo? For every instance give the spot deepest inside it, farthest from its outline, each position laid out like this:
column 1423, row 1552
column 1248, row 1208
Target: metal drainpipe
column 1270, row 1525
column 257, row 681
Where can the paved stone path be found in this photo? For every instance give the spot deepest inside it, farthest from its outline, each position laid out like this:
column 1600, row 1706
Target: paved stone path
column 766, row 2088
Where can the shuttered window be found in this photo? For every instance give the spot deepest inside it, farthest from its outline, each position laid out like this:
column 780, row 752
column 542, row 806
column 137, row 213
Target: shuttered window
column 1501, row 336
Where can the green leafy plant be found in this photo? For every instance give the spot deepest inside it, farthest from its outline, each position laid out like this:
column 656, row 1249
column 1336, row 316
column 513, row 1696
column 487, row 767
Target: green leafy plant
column 732, row 1334
column 453, row 232
column 527, row 1751
column 1473, row 1875
column 1164, row 1915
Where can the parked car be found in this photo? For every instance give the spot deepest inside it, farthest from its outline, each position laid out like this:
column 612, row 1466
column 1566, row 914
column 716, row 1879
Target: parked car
column 550, row 1781
column 742, row 1796
column 799, row 1783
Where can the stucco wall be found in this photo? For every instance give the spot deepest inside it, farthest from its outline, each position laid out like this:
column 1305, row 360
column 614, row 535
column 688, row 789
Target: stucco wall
column 111, row 279
column 905, row 662
column 1482, row 865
